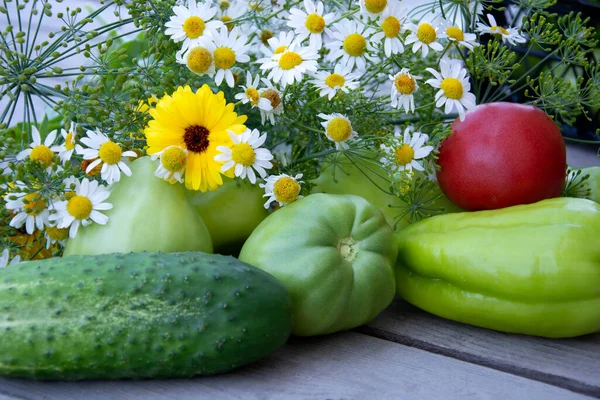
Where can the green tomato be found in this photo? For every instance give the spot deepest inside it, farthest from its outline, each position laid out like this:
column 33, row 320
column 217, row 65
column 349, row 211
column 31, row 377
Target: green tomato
column 148, row 214
column 593, row 182
column 230, row 213
column 334, row 253
column 350, row 180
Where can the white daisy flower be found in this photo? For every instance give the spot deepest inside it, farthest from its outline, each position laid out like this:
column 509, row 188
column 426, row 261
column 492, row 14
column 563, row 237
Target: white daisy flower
column 341, row 79
column 54, row 235
column 172, row 164
column 251, row 94
column 311, row 23
column 6, row 256
column 231, row 12
column 191, row 23
column 510, row 35
column 404, row 86
column 338, row 129
column 390, row 22
column 65, row 150
column 274, row 96
column 230, row 48
column 457, row 35
column 83, row 208
column 282, row 189
column 350, row 44
column 291, row 65
column 454, row 86
column 38, row 151
column 106, row 153
column 199, row 58
column 246, row 155
column 30, row 209
column 277, row 45
column 373, row 7
column 283, row 153
column 424, row 36
column 402, row 153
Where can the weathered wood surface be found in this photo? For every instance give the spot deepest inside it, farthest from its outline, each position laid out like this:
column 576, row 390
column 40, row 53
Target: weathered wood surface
column 341, row 366
column 573, row 364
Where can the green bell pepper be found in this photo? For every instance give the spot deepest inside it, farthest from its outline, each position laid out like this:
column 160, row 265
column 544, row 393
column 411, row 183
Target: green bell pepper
column 531, row 269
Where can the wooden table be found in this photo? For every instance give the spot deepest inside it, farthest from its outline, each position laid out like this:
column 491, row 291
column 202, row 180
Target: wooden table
column 404, row 353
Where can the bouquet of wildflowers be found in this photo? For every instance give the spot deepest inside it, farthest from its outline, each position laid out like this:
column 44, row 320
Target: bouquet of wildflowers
column 274, row 92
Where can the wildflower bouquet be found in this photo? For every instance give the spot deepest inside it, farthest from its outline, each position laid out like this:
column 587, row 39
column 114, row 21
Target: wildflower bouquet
column 277, row 93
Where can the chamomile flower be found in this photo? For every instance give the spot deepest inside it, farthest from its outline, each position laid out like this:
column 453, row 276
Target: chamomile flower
column 38, row 151
column 373, row 7
column 510, row 35
column 338, row 129
column 350, row 44
column 291, row 65
column 231, row 12
column 402, row 153
column 454, row 88
column 106, row 153
column 6, row 256
column 283, row 189
column 251, row 94
column 65, row 150
column 54, row 235
column 404, row 86
column 246, row 155
column 283, row 153
column 191, row 23
column 424, row 36
column 311, row 23
column 82, row 208
column 458, row 36
column 30, row 209
column 277, row 45
column 341, row 79
column 230, row 48
column 199, row 58
column 390, row 22
column 274, row 96
column 173, row 160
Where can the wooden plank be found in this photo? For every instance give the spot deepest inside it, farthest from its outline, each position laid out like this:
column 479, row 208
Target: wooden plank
column 341, row 366
column 572, row 364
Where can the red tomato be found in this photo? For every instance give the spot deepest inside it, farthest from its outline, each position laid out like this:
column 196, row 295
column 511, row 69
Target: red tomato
column 501, row 155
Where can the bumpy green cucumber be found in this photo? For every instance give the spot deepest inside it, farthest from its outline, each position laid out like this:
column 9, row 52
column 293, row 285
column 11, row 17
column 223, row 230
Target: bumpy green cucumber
column 137, row 315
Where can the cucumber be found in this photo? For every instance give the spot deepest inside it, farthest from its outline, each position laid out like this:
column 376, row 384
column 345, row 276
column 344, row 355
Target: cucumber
column 137, row 315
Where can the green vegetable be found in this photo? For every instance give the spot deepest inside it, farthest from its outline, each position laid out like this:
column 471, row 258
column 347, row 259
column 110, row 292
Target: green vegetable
column 532, row 269
column 334, row 253
column 137, row 315
column 230, row 213
column 148, row 214
column 593, row 182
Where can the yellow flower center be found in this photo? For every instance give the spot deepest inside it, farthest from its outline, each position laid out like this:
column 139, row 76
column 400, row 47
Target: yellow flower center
column 375, row 6
column 34, row 204
column 110, row 153
column 253, row 95
column 57, row 234
column 243, row 154
column 69, row 142
column 339, row 129
column 453, row 88
column 80, row 207
column 194, row 27
column 224, row 5
column 265, row 35
column 225, row 19
column 404, row 154
column 272, row 96
column 335, row 80
column 173, row 159
column 290, row 60
column 426, row 33
column 280, row 50
column 286, row 189
column 255, row 5
column 405, row 84
column 199, row 60
column 224, row 57
column 355, row 44
column 42, row 154
column 499, row 28
column 455, row 33
column 315, row 23
column 391, row 26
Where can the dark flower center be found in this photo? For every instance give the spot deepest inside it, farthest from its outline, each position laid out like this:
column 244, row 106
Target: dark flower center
column 196, row 138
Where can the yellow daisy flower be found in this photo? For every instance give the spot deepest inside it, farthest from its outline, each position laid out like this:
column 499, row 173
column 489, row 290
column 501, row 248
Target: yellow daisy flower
column 197, row 122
